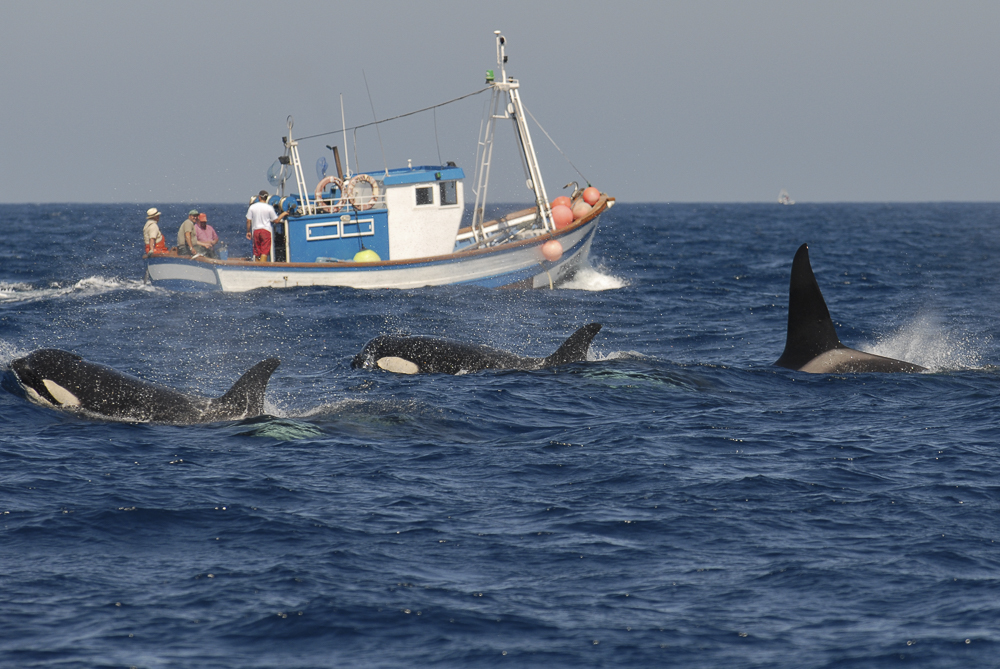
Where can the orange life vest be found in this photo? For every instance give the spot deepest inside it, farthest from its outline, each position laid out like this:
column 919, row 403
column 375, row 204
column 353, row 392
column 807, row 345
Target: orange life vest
column 161, row 247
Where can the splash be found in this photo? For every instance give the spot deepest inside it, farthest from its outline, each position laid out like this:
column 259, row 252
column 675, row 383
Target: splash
column 9, row 352
column 12, row 293
column 595, row 279
column 594, row 356
column 926, row 342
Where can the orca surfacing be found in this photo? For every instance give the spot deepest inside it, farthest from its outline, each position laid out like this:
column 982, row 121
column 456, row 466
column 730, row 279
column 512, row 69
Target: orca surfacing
column 431, row 355
column 60, row 379
column 812, row 344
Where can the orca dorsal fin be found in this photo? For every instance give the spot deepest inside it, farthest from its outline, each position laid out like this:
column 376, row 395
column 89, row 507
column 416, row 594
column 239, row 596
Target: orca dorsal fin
column 575, row 348
column 246, row 397
column 810, row 328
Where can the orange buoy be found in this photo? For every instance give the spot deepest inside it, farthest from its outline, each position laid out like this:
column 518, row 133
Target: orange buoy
column 561, row 216
column 581, row 209
column 552, row 250
column 562, row 199
column 591, row 195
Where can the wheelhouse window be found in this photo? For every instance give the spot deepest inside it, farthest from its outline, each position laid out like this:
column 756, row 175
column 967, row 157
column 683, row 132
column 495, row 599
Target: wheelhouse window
column 449, row 192
column 425, row 195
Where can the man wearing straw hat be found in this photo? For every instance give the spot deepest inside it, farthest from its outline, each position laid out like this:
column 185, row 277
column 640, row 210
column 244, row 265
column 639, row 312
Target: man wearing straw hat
column 151, row 232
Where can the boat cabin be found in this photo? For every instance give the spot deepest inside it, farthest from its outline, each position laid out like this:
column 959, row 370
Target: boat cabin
column 404, row 213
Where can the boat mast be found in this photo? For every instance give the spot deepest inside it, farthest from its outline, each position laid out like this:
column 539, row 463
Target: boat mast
column 343, row 123
column 300, row 179
column 504, row 86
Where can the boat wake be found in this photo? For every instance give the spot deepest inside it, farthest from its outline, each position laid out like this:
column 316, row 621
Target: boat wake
column 17, row 292
column 593, row 278
column 926, row 342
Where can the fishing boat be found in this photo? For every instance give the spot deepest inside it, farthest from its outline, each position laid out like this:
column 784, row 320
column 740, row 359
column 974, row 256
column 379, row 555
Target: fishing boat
column 402, row 228
column 785, row 198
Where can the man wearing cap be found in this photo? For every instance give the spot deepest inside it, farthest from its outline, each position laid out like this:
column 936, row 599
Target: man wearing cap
column 260, row 215
column 185, row 236
column 151, row 232
column 205, row 238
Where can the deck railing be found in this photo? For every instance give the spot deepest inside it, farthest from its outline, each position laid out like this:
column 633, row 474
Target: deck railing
column 339, row 205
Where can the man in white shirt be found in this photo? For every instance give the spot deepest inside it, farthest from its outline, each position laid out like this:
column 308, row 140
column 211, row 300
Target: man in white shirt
column 260, row 215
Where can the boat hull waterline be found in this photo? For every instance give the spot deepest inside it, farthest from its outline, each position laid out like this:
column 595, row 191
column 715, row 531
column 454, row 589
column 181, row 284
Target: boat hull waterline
column 517, row 264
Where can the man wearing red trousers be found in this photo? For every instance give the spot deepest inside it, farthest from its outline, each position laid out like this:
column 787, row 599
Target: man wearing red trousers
column 260, row 215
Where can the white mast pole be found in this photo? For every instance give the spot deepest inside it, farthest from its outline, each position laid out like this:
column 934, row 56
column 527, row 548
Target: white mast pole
column 515, row 110
column 486, row 144
column 343, row 124
column 300, row 179
column 528, row 149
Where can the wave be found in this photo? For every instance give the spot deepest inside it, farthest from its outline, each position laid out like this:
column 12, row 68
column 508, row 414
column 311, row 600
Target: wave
column 19, row 292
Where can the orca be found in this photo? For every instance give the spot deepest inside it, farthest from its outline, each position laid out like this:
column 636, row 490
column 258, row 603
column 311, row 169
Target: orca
column 55, row 378
column 431, row 355
column 812, row 344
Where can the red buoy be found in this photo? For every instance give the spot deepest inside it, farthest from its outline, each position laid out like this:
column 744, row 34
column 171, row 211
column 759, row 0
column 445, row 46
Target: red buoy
column 562, row 216
column 591, row 195
column 552, row 250
column 562, row 199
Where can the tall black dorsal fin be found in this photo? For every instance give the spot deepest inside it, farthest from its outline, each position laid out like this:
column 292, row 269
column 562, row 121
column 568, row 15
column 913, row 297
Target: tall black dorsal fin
column 575, row 348
column 246, row 397
column 810, row 329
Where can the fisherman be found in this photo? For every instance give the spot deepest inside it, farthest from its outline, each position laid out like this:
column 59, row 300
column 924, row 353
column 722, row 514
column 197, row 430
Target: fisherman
column 151, row 232
column 260, row 215
column 205, row 238
column 185, row 235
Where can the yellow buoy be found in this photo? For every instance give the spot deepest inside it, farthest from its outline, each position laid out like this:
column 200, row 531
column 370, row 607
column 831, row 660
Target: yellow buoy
column 366, row 255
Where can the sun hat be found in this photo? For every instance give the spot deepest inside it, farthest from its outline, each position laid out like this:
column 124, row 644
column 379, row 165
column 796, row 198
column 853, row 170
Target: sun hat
column 152, row 212
column 202, row 217
column 193, row 212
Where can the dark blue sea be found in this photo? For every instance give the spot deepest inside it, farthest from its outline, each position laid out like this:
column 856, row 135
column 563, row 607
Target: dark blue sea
column 676, row 500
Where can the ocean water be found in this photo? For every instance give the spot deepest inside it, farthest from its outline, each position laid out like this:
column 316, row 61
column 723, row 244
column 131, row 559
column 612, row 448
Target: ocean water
column 674, row 501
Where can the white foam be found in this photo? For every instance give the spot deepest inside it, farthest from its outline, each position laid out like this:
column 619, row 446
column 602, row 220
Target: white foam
column 926, row 342
column 595, row 279
column 9, row 352
column 594, row 356
column 92, row 285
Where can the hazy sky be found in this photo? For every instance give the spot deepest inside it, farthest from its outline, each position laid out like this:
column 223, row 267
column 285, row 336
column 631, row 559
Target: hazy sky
column 158, row 102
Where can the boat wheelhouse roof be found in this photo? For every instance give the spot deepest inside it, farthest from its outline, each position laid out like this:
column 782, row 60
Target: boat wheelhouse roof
column 421, row 174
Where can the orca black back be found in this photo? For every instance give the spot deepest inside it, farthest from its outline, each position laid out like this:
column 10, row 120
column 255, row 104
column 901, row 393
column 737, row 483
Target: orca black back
column 810, row 328
column 575, row 348
column 812, row 344
column 405, row 354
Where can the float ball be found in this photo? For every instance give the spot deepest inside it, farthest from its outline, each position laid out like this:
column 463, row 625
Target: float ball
column 552, row 250
column 591, row 195
column 581, row 209
column 561, row 216
column 366, row 255
column 562, row 199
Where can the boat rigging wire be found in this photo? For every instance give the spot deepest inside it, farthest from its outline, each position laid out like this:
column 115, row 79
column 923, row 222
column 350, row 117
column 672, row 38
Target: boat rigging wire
column 375, row 116
column 528, row 111
column 365, row 125
column 436, row 140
